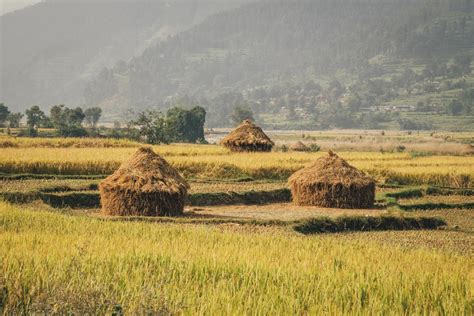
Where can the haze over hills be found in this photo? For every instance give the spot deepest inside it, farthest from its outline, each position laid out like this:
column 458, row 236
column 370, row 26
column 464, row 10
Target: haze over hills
column 50, row 49
column 294, row 64
column 273, row 44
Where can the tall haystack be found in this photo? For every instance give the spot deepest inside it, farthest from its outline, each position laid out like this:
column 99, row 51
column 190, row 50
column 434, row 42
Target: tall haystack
column 332, row 182
column 145, row 185
column 299, row 146
column 248, row 137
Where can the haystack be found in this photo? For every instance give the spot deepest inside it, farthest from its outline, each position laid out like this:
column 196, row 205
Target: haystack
column 248, row 137
column 145, row 185
column 299, row 146
column 332, row 182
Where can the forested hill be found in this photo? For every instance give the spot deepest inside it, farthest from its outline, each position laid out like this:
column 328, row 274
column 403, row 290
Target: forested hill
column 269, row 42
column 50, row 49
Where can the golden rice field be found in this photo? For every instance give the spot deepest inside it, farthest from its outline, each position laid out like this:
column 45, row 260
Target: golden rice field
column 231, row 259
column 211, row 161
column 84, row 265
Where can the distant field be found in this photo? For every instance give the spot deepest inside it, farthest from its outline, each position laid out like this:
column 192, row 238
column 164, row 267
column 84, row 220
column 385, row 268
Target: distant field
column 208, row 161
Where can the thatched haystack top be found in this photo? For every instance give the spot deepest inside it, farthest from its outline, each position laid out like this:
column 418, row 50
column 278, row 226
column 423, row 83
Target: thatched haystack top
column 247, row 134
column 146, row 172
column 330, row 169
column 299, row 146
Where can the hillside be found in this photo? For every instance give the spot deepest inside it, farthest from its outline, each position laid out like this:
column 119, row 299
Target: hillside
column 49, row 50
column 282, row 45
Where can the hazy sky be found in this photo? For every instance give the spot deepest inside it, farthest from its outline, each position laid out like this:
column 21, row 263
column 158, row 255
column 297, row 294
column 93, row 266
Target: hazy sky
column 12, row 5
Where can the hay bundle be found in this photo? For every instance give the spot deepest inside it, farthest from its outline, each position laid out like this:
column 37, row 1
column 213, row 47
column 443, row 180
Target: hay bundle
column 247, row 137
column 332, row 182
column 299, row 146
column 146, row 185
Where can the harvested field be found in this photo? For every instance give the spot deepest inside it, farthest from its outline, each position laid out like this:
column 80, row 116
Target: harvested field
column 279, row 211
column 211, row 162
column 459, row 243
column 83, row 254
column 251, row 247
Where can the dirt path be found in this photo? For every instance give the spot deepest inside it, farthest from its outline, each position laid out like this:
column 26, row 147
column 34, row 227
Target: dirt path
column 278, row 211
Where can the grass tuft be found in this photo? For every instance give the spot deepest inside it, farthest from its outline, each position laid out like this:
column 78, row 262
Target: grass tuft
column 367, row 223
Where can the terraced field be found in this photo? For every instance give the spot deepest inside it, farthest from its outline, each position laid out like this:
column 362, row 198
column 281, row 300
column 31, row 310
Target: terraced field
column 241, row 246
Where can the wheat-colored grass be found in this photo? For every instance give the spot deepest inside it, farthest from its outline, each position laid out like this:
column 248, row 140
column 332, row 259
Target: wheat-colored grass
column 53, row 263
column 208, row 161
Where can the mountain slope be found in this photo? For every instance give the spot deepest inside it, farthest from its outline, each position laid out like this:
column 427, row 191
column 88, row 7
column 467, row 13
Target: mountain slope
column 261, row 42
column 50, row 49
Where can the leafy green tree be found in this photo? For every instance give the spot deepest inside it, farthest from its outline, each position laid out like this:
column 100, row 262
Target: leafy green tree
column 455, row 107
column 4, row 112
column 151, row 127
column 197, row 123
column 186, row 125
column 34, row 116
column 68, row 121
column 57, row 115
column 241, row 113
column 336, row 89
column 14, row 119
column 74, row 116
column 312, row 86
column 92, row 116
column 354, row 103
column 46, row 122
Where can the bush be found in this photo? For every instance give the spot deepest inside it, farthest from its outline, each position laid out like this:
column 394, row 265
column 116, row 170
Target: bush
column 314, row 148
column 73, row 131
column 401, row 148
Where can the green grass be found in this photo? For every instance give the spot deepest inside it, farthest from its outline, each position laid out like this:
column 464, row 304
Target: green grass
column 58, row 263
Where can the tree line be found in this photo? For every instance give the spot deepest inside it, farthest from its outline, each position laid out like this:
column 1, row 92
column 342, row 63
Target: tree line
column 67, row 121
column 176, row 125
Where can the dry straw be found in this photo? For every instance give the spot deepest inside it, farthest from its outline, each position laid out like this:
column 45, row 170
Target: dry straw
column 248, row 137
column 332, row 182
column 146, row 185
column 299, row 146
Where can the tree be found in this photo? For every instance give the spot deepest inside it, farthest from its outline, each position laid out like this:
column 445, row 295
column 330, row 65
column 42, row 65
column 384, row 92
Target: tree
column 314, row 88
column 455, row 107
column 74, row 117
column 197, row 123
column 354, row 103
column 185, row 125
column 46, row 122
column 34, row 116
column 4, row 112
column 291, row 115
column 57, row 116
column 241, row 113
column 68, row 121
column 336, row 89
column 92, row 116
column 463, row 63
column 151, row 127
column 14, row 119
column 408, row 79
